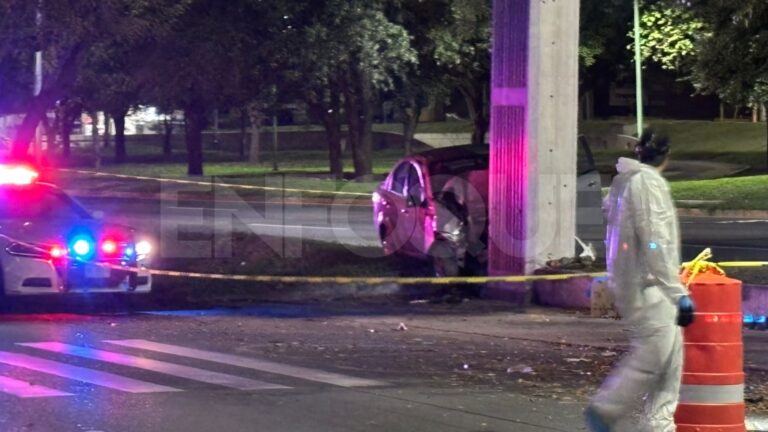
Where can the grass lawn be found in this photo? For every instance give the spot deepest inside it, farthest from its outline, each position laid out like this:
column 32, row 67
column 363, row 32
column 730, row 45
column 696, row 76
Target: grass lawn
column 742, row 193
column 305, row 170
column 737, row 142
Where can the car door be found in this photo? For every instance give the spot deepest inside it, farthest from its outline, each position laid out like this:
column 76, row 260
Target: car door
column 392, row 204
column 414, row 217
column 589, row 215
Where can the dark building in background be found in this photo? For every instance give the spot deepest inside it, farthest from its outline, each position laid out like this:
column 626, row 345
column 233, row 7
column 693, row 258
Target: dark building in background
column 666, row 96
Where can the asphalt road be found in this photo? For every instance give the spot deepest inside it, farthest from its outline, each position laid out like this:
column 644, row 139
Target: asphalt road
column 339, row 367
column 351, row 223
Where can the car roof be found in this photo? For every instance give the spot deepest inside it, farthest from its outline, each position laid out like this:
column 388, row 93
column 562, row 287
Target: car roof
column 454, row 152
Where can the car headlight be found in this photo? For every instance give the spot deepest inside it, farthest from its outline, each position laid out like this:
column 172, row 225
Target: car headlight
column 454, row 236
column 143, row 249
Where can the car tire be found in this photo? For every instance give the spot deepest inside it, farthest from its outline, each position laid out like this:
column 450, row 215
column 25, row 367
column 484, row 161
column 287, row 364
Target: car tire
column 443, row 259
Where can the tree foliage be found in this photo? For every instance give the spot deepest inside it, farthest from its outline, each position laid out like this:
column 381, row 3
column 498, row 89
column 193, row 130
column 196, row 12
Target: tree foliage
column 66, row 31
column 732, row 58
column 669, row 33
column 463, row 48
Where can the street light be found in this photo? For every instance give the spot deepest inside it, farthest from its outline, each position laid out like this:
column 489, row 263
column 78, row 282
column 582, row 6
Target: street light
column 37, row 144
column 638, row 70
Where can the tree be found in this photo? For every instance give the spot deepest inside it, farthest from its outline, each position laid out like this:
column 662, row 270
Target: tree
column 205, row 63
column 731, row 57
column 67, row 30
column 109, row 81
column 669, row 34
column 342, row 54
column 424, row 80
column 463, row 48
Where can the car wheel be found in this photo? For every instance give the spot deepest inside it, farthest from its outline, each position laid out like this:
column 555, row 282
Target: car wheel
column 444, row 261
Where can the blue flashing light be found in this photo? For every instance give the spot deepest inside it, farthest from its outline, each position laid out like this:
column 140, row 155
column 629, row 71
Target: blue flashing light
column 761, row 320
column 653, row 246
column 82, row 247
column 749, row 319
column 129, row 252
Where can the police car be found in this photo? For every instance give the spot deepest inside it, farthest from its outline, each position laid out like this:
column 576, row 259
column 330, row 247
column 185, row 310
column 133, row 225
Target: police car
column 49, row 244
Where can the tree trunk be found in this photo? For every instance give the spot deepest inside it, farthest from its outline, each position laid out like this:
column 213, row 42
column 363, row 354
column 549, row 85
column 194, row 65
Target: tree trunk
column 411, row 116
column 358, row 98
column 328, row 114
column 66, row 137
column 473, row 96
column 766, row 151
column 107, row 129
column 26, row 131
column 95, row 137
column 216, row 128
column 755, row 113
column 722, row 111
column 50, row 134
column 368, row 105
column 194, row 126
column 46, row 99
column 257, row 118
column 167, row 136
column 243, row 133
column 120, row 151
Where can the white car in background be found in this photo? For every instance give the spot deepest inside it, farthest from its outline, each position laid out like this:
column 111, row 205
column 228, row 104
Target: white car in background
column 49, row 244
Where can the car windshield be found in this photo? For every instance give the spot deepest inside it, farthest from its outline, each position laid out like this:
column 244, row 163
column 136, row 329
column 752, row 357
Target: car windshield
column 38, row 202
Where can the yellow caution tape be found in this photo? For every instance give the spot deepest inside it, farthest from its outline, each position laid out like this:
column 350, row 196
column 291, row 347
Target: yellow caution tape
column 700, row 265
column 374, row 280
column 229, row 185
column 743, row 264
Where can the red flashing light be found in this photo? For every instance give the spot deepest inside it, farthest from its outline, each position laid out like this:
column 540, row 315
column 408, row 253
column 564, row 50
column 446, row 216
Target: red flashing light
column 57, row 252
column 17, row 175
column 109, row 247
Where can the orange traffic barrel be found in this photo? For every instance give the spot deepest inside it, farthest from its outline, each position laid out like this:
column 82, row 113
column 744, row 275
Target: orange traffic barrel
column 712, row 390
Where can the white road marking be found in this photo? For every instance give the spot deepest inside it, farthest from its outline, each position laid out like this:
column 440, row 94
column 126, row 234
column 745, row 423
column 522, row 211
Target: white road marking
column 754, row 221
column 201, row 208
column 297, row 226
column 90, row 376
column 181, row 371
column 26, row 389
column 250, row 363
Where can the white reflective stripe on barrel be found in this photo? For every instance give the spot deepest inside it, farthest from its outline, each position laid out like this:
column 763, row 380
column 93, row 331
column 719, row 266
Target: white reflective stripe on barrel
column 711, row 394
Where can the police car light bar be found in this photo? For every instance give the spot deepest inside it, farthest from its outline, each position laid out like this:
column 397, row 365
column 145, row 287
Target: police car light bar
column 17, row 175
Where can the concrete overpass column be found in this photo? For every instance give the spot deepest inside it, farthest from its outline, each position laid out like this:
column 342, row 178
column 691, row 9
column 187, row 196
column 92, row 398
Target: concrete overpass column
column 534, row 112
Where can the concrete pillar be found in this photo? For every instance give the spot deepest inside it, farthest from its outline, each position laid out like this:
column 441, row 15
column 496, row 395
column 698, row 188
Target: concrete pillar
column 534, row 117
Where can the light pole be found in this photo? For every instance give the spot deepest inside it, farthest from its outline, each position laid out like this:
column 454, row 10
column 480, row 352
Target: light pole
column 638, row 70
column 37, row 144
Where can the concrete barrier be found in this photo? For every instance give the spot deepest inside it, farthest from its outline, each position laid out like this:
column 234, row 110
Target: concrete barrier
column 755, row 299
column 593, row 294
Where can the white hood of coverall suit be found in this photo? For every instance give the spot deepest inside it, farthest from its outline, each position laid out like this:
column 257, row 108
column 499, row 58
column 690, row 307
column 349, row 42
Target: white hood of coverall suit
column 643, row 246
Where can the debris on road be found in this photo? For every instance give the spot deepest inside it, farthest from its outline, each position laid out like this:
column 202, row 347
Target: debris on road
column 521, row 369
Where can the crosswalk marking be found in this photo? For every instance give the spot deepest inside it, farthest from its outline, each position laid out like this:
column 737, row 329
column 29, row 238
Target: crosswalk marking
column 103, row 379
column 26, row 389
column 249, row 363
column 181, row 371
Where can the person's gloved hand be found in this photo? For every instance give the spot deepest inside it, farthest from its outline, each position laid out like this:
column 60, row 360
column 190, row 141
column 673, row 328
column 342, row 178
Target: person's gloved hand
column 685, row 310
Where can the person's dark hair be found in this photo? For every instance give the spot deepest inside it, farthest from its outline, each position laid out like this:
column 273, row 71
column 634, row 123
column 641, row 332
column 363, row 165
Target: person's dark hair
column 652, row 149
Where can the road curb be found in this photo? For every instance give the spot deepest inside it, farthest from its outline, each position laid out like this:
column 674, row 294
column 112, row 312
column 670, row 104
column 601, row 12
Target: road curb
column 735, row 214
